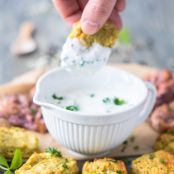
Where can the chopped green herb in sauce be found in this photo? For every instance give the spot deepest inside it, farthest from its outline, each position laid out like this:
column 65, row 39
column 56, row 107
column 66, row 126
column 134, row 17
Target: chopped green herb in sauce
column 57, row 97
column 118, row 101
column 106, row 100
column 73, row 108
column 53, row 151
column 92, row 95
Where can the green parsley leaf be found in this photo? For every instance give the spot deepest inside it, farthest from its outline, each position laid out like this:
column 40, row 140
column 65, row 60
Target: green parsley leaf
column 17, row 160
column 53, row 151
column 106, row 100
column 56, row 97
column 8, row 172
column 118, row 101
column 73, row 108
column 3, row 161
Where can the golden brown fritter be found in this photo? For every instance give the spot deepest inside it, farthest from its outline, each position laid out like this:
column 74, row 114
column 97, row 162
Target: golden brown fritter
column 165, row 141
column 104, row 166
column 160, row 162
column 106, row 36
column 45, row 163
column 12, row 138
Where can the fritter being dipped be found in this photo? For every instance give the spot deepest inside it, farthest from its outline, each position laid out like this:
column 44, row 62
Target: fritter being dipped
column 88, row 52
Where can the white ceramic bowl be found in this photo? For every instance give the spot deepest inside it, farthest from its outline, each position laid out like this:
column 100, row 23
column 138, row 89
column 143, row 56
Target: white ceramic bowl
column 93, row 134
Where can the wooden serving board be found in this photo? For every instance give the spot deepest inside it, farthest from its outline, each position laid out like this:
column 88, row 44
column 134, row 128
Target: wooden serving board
column 143, row 136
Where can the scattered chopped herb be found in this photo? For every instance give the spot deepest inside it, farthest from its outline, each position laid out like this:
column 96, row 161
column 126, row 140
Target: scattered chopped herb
column 123, row 148
column 53, row 151
column 73, row 108
column 127, row 161
column 125, row 142
column 106, row 100
column 15, row 164
column 136, row 147
column 92, row 95
column 170, row 109
column 56, row 97
column 33, row 111
column 162, row 161
column 118, row 101
column 119, row 172
column 132, row 139
column 151, row 156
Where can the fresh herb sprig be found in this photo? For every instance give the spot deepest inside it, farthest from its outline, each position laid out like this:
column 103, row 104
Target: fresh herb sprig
column 53, row 151
column 15, row 164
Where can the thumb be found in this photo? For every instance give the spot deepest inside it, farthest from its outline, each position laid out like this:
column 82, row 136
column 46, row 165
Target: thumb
column 95, row 14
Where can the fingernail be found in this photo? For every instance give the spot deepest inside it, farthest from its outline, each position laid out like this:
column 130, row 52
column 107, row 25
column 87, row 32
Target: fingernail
column 89, row 27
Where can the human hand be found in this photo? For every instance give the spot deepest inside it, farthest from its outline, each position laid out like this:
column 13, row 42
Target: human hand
column 92, row 14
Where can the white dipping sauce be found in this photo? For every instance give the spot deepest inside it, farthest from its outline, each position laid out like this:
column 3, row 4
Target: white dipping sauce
column 91, row 102
column 75, row 56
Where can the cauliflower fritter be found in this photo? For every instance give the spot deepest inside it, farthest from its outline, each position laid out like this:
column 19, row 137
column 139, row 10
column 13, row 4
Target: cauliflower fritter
column 12, row 138
column 106, row 36
column 160, row 162
column 165, row 141
column 45, row 163
column 104, row 166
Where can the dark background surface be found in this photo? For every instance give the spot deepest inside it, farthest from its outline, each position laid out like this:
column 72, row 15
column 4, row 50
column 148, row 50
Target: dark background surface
column 149, row 22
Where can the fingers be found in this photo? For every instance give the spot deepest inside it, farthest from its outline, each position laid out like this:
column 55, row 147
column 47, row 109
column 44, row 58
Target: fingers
column 82, row 3
column 120, row 5
column 116, row 19
column 69, row 10
column 95, row 14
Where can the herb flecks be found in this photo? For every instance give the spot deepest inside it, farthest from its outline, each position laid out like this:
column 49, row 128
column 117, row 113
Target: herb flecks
column 53, row 151
column 15, row 164
column 118, row 101
column 119, row 172
column 54, row 96
column 73, row 108
column 106, row 100
column 65, row 166
column 151, row 156
column 136, row 147
column 92, row 95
